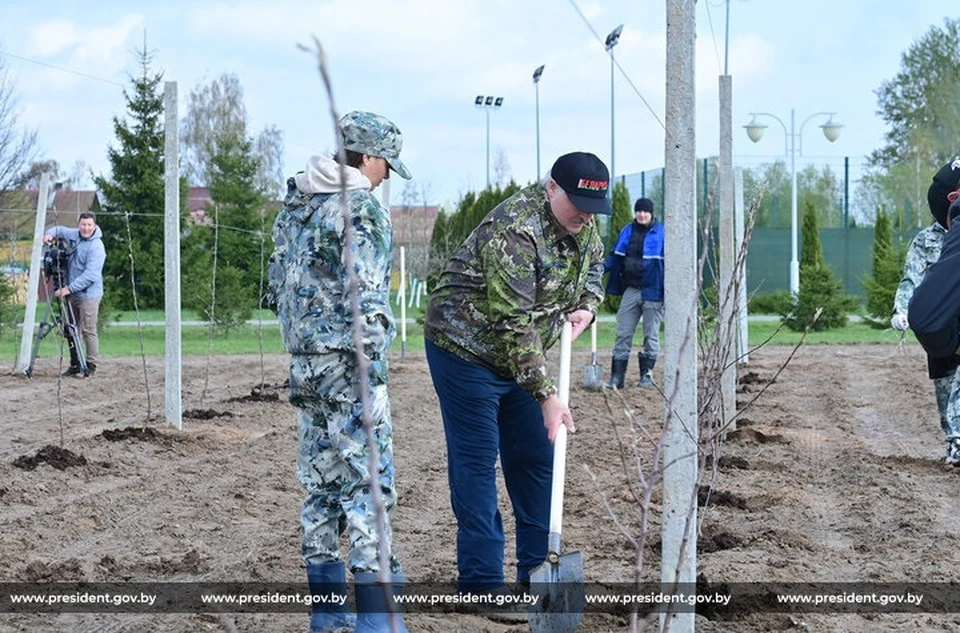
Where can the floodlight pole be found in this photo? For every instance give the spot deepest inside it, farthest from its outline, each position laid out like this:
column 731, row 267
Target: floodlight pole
column 536, row 85
column 487, row 103
column 610, row 42
column 488, row 147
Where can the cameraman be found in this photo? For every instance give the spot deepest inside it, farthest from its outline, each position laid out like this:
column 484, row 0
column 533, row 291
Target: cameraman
column 84, row 284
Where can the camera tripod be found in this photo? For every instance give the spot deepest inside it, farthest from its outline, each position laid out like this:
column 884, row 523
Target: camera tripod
column 59, row 315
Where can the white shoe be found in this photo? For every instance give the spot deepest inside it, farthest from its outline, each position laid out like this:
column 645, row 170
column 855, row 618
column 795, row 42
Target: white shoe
column 953, row 452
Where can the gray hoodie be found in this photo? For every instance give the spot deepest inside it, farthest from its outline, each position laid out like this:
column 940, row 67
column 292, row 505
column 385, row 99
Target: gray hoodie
column 85, row 273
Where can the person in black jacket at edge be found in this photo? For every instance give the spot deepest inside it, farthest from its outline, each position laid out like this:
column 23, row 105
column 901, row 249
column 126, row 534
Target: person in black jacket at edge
column 934, row 317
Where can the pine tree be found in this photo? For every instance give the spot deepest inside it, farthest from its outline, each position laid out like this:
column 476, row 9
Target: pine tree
column 888, row 261
column 811, row 252
column 8, row 308
column 237, row 207
column 470, row 211
column 819, row 287
column 135, row 192
column 622, row 216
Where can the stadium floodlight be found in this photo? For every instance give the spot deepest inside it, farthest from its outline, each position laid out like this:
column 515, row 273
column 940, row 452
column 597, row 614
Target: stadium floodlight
column 488, row 103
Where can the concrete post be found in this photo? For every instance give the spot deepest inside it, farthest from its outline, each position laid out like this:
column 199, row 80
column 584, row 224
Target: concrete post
column 727, row 299
column 173, row 400
column 680, row 437
column 743, row 329
column 33, row 280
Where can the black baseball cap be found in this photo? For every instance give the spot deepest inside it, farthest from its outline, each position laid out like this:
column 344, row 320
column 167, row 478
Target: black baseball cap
column 944, row 181
column 585, row 179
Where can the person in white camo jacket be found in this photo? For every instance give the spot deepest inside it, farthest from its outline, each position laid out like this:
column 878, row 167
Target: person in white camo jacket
column 923, row 252
column 309, row 289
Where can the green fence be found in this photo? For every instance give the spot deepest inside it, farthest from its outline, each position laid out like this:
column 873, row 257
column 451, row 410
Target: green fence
column 847, row 251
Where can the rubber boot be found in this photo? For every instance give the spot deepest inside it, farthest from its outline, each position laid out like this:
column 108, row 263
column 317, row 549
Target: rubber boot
column 618, row 372
column 646, row 368
column 329, row 580
column 373, row 614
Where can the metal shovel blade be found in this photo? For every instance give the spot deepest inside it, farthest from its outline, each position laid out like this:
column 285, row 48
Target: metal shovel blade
column 593, row 373
column 593, row 376
column 559, row 589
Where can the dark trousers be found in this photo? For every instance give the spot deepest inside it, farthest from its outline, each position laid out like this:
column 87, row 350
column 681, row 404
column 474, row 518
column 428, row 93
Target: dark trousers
column 484, row 414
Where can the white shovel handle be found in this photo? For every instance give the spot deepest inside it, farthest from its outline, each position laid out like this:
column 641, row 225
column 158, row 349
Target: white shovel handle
column 593, row 342
column 560, row 443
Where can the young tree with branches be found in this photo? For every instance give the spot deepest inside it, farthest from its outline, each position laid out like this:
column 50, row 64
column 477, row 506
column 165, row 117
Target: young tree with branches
column 134, row 197
column 215, row 113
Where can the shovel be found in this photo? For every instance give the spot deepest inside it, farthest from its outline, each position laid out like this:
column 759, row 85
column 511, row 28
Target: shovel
column 593, row 373
column 558, row 582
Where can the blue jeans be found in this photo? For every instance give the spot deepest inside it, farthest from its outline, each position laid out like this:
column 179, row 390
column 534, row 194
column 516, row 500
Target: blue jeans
column 484, row 414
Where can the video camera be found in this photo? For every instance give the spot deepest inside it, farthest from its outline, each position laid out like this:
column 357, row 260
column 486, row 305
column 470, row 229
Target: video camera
column 56, row 262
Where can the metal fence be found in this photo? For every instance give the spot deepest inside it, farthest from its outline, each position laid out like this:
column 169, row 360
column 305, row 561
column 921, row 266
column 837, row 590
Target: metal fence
column 846, row 225
column 848, row 252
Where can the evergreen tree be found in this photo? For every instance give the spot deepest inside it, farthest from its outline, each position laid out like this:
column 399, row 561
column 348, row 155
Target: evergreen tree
column 819, row 287
column 470, row 211
column 622, row 213
column 233, row 241
column 888, row 261
column 8, row 308
column 811, row 252
column 135, row 192
column 622, row 216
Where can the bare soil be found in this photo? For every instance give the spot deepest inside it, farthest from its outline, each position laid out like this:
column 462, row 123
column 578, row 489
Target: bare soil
column 832, row 475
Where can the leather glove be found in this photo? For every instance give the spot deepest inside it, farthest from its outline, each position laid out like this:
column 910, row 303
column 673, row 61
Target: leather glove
column 899, row 322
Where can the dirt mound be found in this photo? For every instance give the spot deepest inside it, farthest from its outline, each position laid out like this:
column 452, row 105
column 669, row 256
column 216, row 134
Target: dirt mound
column 263, row 393
column 59, row 458
column 206, row 414
column 138, row 433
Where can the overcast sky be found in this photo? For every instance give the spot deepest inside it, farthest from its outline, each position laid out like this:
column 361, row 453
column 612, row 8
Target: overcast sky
column 421, row 63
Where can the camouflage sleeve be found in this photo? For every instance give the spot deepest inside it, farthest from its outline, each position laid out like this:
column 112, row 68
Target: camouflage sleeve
column 592, row 295
column 276, row 270
column 371, row 263
column 510, row 261
column 914, row 268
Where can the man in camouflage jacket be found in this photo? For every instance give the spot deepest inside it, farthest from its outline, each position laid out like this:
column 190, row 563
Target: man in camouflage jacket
column 924, row 251
column 309, row 290
column 532, row 263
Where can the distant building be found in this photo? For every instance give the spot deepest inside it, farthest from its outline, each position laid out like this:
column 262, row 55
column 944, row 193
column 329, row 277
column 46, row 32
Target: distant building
column 412, row 224
column 198, row 198
column 64, row 208
column 412, row 228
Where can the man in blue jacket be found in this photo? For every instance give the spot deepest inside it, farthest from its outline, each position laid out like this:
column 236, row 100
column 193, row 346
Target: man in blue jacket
column 84, row 286
column 636, row 273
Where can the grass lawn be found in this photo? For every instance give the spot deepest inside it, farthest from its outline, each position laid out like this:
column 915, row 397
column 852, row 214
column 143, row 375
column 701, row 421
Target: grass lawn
column 117, row 340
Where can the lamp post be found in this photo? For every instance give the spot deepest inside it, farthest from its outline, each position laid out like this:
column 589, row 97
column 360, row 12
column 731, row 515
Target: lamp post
column 610, row 42
column 536, row 85
column 793, row 145
column 488, row 103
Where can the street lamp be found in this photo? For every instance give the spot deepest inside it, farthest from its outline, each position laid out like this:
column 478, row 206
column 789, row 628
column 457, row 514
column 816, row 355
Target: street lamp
column 793, row 145
column 610, row 42
column 488, row 103
column 536, row 85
